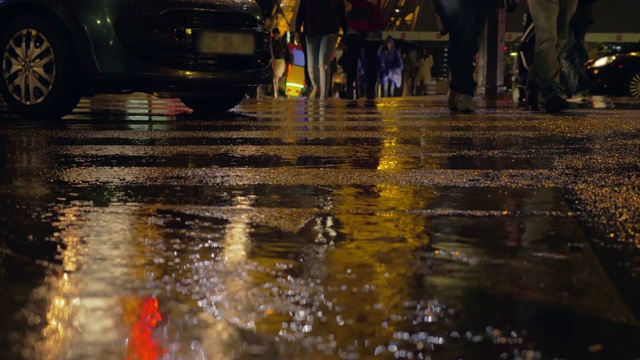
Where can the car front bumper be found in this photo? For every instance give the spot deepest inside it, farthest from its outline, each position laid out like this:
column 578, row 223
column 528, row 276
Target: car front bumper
column 151, row 46
column 170, row 81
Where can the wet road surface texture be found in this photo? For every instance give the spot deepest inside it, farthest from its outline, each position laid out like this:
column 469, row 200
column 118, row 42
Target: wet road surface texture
column 305, row 230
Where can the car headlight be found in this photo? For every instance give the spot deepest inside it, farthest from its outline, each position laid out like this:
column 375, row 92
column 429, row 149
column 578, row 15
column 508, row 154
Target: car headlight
column 604, row 61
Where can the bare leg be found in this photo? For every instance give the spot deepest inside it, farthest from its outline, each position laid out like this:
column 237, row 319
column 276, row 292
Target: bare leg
column 276, row 86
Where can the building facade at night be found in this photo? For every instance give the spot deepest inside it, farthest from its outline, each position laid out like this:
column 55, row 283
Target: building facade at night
column 612, row 18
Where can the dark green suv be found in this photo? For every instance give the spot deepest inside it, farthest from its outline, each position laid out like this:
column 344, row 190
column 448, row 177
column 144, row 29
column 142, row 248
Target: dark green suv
column 208, row 53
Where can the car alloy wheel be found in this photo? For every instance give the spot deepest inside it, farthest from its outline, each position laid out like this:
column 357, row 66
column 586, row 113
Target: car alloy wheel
column 29, row 66
column 39, row 69
column 633, row 86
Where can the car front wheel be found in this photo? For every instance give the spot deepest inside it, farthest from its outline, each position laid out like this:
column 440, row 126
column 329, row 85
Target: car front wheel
column 39, row 78
column 632, row 85
column 214, row 105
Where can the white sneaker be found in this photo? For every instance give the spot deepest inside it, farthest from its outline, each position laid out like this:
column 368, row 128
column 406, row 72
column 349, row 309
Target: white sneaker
column 579, row 97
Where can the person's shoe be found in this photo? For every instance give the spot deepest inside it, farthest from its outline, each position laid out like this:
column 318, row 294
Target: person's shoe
column 533, row 100
column 305, row 91
column 578, row 98
column 371, row 94
column 555, row 103
column 352, row 103
column 369, row 103
column 452, row 100
column 345, row 94
column 465, row 103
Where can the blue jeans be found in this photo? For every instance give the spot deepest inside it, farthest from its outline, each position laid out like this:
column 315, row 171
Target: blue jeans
column 551, row 19
column 319, row 51
column 388, row 87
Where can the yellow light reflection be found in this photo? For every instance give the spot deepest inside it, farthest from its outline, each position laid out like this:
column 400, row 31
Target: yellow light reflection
column 236, row 240
column 59, row 330
column 376, row 223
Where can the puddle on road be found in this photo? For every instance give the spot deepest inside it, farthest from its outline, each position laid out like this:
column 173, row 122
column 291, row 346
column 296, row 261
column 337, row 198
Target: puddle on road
column 386, row 258
column 357, row 275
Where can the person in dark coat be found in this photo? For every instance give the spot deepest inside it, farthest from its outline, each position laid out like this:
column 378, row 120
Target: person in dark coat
column 409, row 71
column 464, row 20
column 364, row 33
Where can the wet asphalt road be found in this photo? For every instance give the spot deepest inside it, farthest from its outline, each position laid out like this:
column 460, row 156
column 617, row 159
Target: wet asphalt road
column 305, row 230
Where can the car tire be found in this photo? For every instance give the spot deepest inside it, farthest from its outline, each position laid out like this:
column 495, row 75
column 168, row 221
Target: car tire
column 214, row 105
column 47, row 86
column 632, row 84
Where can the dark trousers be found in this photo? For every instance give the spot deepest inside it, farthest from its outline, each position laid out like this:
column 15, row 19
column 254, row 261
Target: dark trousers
column 464, row 20
column 355, row 43
column 574, row 56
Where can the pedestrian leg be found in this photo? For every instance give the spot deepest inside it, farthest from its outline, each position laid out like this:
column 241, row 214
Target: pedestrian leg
column 327, row 45
column 354, row 44
column 313, row 52
column 371, row 45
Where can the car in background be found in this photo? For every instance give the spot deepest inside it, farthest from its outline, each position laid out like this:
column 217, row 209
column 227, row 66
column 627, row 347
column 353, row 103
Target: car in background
column 208, row 53
column 616, row 73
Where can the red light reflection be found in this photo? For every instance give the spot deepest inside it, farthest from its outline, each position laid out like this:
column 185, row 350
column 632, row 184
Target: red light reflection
column 143, row 316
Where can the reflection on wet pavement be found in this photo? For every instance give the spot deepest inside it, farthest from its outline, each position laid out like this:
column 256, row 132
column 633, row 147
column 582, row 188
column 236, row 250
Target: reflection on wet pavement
column 293, row 230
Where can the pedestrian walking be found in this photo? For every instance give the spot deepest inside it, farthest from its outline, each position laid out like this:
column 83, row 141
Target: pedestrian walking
column 551, row 20
column 528, row 80
column 423, row 77
column 408, row 74
column 364, row 33
column 574, row 54
column 464, row 21
column 321, row 20
column 281, row 57
column 391, row 66
column 308, row 85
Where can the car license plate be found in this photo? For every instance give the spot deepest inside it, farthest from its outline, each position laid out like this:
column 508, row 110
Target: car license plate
column 225, row 43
